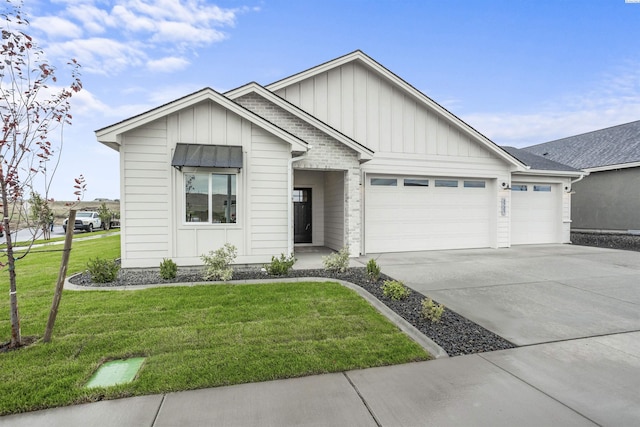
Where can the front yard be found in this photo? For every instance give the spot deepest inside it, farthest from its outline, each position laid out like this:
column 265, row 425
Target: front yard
column 192, row 337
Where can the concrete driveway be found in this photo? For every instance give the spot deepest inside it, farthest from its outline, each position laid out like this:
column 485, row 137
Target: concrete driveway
column 573, row 310
column 530, row 294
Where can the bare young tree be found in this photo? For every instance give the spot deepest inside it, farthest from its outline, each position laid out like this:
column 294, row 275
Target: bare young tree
column 32, row 106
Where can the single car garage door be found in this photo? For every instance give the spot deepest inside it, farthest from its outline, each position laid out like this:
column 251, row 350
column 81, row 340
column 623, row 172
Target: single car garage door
column 535, row 209
column 412, row 214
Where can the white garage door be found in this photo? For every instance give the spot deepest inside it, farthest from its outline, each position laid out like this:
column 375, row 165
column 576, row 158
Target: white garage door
column 535, row 213
column 411, row 214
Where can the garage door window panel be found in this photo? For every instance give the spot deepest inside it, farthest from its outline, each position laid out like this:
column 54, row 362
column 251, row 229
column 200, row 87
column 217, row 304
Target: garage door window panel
column 518, row 187
column 450, row 183
column 384, row 182
column 474, row 184
column 542, row 188
column 412, row 182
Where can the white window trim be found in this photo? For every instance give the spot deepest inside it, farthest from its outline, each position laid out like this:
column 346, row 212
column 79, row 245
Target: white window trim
column 208, row 223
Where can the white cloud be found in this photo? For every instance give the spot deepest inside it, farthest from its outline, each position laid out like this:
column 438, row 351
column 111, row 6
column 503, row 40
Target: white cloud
column 184, row 33
column 100, row 55
column 56, row 27
column 125, row 34
column 131, row 22
column 168, row 64
column 612, row 101
column 85, row 103
column 92, row 18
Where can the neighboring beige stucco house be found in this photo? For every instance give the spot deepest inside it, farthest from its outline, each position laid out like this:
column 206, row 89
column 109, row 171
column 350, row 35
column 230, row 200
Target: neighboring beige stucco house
column 345, row 153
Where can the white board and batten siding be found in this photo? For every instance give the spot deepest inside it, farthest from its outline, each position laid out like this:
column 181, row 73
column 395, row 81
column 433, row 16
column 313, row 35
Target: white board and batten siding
column 145, row 195
column 368, row 108
column 153, row 191
column 334, row 210
column 268, row 195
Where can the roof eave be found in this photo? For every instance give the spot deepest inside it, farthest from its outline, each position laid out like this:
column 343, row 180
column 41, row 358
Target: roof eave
column 613, row 167
column 544, row 172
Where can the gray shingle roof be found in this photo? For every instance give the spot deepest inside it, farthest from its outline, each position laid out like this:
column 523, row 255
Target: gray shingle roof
column 537, row 162
column 611, row 146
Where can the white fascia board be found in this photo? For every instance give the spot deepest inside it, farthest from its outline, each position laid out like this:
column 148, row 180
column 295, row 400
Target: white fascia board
column 415, row 93
column 111, row 135
column 364, row 153
column 613, row 167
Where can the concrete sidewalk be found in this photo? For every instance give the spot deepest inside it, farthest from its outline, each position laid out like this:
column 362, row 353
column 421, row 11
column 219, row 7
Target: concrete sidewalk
column 577, row 383
column 573, row 310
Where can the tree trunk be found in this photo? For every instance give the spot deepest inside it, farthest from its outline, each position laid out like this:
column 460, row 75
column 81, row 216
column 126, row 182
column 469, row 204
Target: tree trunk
column 16, row 337
column 53, row 313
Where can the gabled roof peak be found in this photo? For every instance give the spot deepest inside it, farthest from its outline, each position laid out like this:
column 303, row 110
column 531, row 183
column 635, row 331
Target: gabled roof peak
column 111, row 135
column 407, row 88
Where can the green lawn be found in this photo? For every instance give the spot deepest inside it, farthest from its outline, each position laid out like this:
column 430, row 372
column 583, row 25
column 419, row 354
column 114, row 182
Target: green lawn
column 78, row 235
column 192, row 337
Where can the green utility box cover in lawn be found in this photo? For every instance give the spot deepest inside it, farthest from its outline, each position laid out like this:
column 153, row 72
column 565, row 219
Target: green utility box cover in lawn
column 116, row 372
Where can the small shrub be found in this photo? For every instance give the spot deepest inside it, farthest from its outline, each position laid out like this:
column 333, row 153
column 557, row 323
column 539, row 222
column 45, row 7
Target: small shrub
column 431, row 311
column 373, row 270
column 217, row 263
column 337, row 262
column 280, row 266
column 168, row 269
column 102, row 270
column 394, row 289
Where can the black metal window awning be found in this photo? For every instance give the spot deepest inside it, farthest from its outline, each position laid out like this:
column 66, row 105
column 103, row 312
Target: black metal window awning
column 207, row 156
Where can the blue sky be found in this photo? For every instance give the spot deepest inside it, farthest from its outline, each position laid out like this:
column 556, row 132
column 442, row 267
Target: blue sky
column 520, row 71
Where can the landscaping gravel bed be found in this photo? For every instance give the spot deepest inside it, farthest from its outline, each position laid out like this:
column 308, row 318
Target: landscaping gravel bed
column 454, row 333
column 629, row 242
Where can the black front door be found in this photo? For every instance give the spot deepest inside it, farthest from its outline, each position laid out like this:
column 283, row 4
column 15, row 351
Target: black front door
column 302, row 215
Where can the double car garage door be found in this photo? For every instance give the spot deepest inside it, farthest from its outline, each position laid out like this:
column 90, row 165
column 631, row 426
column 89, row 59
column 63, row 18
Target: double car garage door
column 412, row 214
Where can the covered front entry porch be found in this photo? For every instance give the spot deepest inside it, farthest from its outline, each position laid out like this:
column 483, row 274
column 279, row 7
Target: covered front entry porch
column 319, row 209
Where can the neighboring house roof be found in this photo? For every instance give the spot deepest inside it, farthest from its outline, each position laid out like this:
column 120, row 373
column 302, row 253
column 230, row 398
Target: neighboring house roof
column 369, row 62
column 110, row 135
column 253, row 87
column 611, row 148
column 539, row 163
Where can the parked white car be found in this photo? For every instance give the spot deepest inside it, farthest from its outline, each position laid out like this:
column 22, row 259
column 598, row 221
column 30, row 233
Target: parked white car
column 85, row 220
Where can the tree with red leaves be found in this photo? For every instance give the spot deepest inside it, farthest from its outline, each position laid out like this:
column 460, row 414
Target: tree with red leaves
column 32, row 105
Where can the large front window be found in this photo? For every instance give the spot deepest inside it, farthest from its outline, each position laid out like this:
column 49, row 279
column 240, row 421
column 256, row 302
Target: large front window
column 210, row 197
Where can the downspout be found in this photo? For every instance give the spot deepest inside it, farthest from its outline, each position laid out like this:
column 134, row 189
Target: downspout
column 579, row 179
column 290, row 202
